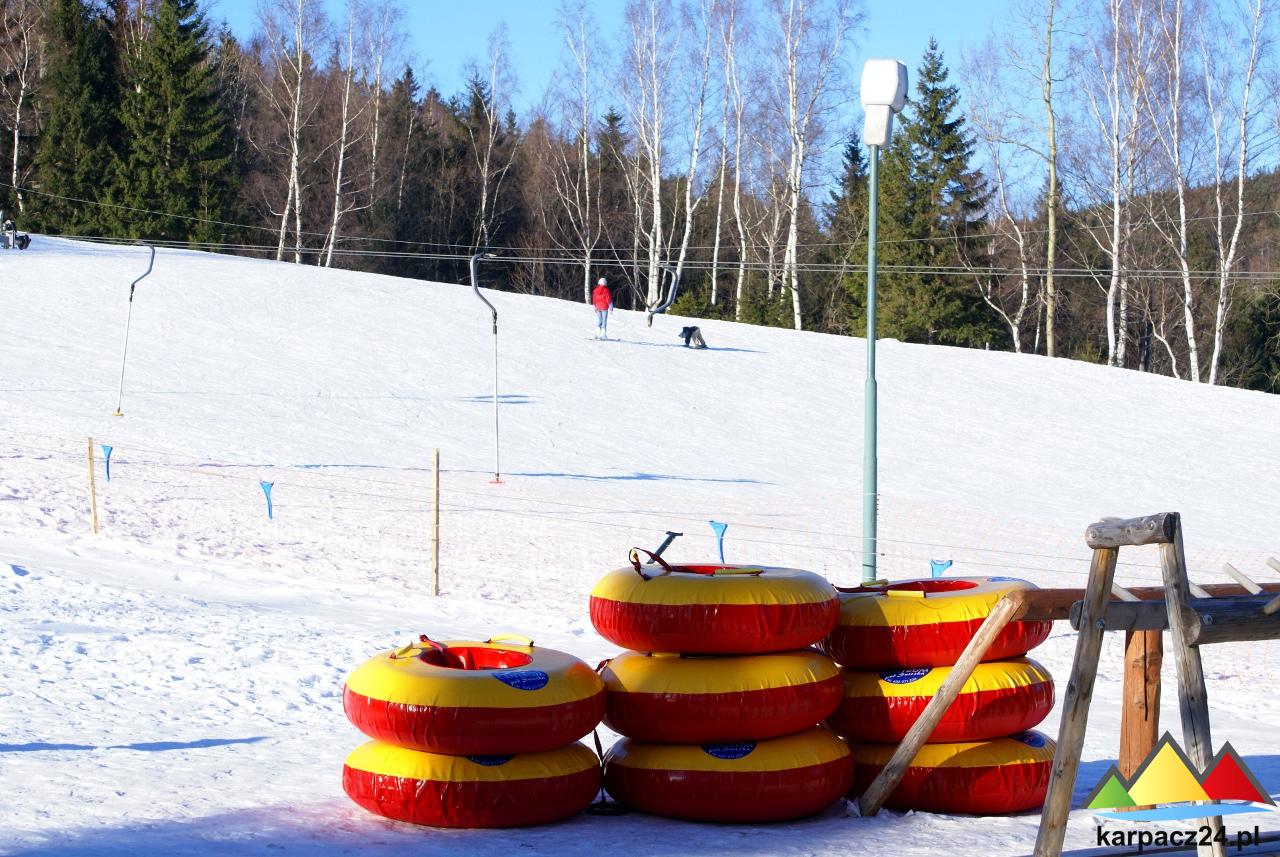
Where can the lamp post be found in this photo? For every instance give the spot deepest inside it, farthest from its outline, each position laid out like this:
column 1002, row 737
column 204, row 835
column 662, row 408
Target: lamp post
column 475, row 287
column 884, row 93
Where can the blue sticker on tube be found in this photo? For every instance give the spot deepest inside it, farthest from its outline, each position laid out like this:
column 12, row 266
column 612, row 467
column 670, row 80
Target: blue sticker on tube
column 523, row 679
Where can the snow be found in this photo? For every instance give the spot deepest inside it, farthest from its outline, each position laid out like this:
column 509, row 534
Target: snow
column 173, row 684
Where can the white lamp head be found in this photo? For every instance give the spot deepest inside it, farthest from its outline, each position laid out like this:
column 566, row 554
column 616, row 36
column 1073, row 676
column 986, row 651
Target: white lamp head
column 884, row 93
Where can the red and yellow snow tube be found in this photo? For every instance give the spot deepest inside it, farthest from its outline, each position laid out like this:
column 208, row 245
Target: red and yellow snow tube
column 981, row 778
column 471, row 791
column 1000, row 698
column 782, row 778
column 466, row 697
column 713, row 609
column 925, row 623
column 698, row 699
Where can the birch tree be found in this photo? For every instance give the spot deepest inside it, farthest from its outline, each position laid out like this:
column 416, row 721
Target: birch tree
column 1117, row 61
column 810, row 39
column 20, row 24
column 291, row 28
column 698, row 20
column 493, row 156
column 1233, row 123
column 575, row 166
column 348, row 115
column 382, row 34
column 653, row 44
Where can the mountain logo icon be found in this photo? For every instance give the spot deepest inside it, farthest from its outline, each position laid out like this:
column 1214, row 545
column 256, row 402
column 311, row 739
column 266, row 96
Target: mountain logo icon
column 1168, row 782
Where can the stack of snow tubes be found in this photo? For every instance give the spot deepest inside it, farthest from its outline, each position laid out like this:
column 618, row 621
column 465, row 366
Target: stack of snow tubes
column 898, row 644
column 473, row 734
column 720, row 696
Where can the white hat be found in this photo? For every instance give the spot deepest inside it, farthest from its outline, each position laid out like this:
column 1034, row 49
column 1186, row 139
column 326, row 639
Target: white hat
column 600, row 282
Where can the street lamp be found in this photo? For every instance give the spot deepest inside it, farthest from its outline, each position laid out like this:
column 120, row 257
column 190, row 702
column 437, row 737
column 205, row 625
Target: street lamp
column 884, row 93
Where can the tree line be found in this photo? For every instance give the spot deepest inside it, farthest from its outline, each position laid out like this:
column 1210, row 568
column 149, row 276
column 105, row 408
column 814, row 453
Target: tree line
column 1096, row 181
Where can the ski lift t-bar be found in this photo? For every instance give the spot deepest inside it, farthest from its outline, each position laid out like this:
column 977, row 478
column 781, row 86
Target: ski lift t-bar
column 475, row 287
column 671, row 295
column 124, row 352
column 671, row 537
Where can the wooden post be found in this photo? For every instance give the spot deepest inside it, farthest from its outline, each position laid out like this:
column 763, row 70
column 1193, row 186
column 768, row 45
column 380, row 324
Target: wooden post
column 93, row 489
column 894, row 770
column 435, row 522
column 1075, row 705
column 1193, row 697
column 1140, row 715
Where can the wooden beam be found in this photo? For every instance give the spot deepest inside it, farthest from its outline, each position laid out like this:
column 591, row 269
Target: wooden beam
column 1151, row 530
column 1242, row 579
column 894, row 770
column 1075, row 706
column 1274, row 563
column 1127, row 616
column 1193, row 697
column 1149, row 613
column 1272, row 606
column 1123, row 594
column 1231, row 620
column 1140, row 714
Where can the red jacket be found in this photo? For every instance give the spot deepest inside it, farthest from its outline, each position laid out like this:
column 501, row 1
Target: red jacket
column 602, row 298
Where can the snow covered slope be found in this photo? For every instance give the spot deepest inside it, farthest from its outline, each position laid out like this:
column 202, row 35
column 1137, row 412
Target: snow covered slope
column 172, row 685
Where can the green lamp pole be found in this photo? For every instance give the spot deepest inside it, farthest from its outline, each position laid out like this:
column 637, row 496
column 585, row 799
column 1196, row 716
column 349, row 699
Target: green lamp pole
column 884, row 93
column 869, row 482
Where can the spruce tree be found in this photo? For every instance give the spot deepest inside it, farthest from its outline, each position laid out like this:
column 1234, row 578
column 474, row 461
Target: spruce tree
column 80, row 98
column 177, row 175
column 932, row 204
column 847, row 233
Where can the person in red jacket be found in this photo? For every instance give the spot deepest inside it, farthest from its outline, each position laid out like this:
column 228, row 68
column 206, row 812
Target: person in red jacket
column 602, row 300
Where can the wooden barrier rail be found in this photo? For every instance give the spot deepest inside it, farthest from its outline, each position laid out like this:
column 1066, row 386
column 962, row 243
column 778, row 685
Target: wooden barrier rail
column 1218, row 613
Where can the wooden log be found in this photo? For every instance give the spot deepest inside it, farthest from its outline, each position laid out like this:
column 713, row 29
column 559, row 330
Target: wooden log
column 894, row 770
column 1042, row 604
column 1151, row 530
column 1231, row 620
column 1140, row 715
column 1193, row 697
column 1127, row 616
column 1075, row 706
column 1149, row 613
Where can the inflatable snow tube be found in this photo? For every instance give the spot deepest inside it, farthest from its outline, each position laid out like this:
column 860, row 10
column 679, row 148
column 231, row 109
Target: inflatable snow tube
column 925, row 623
column 465, row 697
column 1000, row 698
column 698, row 699
column 774, row 780
column 471, row 791
column 979, row 778
column 713, row 609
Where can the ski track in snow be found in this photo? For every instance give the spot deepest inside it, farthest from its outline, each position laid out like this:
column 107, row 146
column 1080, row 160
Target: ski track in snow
column 173, row 685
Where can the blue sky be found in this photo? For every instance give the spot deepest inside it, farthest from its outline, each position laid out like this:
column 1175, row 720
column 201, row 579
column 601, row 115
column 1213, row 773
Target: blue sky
column 445, row 34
